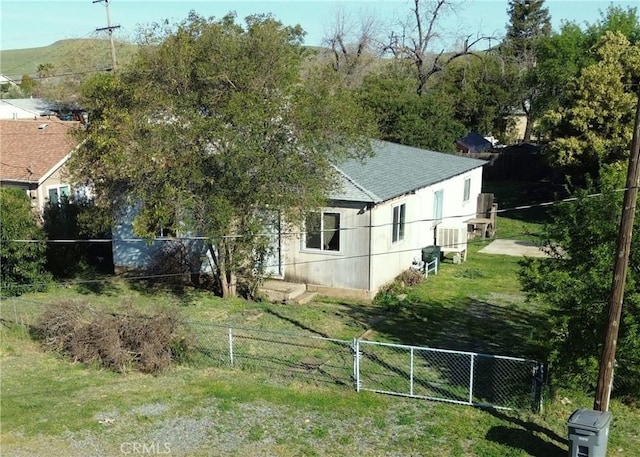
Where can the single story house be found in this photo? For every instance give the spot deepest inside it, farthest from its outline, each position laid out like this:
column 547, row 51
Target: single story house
column 388, row 208
column 33, row 154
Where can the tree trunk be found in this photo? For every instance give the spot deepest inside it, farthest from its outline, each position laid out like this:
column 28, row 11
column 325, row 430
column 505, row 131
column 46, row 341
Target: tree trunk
column 215, row 267
column 228, row 277
column 528, row 129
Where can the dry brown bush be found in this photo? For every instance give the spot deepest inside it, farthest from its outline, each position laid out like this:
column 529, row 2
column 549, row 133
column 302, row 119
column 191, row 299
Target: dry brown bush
column 410, row 278
column 115, row 341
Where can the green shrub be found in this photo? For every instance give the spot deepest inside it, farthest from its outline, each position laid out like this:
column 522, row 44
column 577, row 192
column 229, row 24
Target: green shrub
column 21, row 263
column 388, row 295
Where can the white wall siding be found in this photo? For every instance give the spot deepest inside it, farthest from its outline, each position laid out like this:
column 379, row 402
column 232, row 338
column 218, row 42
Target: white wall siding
column 390, row 259
column 350, row 268
column 455, row 210
column 347, row 268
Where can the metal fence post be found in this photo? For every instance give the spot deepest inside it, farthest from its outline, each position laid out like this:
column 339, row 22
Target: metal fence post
column 231, row 345
column 411, row 374
column 356, row 363
column 538, row 382
column 471, row 370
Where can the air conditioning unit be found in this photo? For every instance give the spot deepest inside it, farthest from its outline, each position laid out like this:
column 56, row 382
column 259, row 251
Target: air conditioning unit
column 452, row 239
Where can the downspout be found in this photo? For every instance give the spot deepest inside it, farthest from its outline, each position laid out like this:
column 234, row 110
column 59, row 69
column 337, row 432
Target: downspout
column 370, row 246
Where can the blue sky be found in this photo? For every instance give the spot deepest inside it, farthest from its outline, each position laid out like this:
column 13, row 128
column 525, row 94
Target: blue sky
column 32, row 23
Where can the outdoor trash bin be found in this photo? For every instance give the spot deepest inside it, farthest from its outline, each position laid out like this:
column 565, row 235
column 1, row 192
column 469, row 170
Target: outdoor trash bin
column 588, row 433
column 430, row 253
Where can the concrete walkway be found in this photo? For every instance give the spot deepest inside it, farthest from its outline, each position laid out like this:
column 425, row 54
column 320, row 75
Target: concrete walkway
column 513, row 247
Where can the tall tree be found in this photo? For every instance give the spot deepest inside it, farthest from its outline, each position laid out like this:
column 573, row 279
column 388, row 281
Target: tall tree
column 427, row 122
column 213, row 126
column 27, row 84
column 21, row 264
column 616, row 19
column 595, row 124
column 482, row 93
column 563, row 55
column 575, row 284
column 352, row 48
column 45, row 70
column 560, row 59
column 529, row 20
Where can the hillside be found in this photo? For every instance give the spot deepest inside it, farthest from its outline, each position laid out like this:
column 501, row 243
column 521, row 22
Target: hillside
column 66, row 56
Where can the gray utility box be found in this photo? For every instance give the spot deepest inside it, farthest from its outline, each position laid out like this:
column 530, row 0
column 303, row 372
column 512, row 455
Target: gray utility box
column 588, row 433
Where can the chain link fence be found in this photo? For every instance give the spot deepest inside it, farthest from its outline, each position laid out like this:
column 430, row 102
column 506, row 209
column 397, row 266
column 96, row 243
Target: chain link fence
column 452, row 376
column 288, row 355
column 420, row 372
column 24, row 313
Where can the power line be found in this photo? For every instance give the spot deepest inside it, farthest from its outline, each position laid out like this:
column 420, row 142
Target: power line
column 301, row 232
column 170, row 275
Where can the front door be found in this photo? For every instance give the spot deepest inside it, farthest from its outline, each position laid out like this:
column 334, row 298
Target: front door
column 274, row 267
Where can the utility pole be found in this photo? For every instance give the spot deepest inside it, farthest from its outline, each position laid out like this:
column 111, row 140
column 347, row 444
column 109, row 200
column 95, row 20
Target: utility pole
column 110, row 28
column 605, row 375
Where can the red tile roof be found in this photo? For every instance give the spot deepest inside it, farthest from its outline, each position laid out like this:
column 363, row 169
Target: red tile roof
column 28, row 151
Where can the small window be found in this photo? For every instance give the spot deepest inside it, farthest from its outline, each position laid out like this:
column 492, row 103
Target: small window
column 398, row 223
column 438, row 200
column 467, row 190
column 166, row 232
column 322, row 231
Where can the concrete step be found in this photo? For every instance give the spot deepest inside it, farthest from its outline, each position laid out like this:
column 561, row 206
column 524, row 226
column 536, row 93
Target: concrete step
column 282, row 292
column 306, row 298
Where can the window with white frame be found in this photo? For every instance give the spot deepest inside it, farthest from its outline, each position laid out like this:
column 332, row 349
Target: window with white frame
column 322, row 231
column 399, row 213
column 166, row 232
column 467, row 190
column 57, row 193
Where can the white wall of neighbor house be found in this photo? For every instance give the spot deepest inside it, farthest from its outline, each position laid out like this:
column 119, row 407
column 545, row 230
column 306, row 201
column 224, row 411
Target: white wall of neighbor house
column 344, row 268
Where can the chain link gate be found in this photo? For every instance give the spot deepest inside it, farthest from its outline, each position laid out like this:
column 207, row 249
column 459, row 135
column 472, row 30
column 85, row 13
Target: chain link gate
column 460, row 377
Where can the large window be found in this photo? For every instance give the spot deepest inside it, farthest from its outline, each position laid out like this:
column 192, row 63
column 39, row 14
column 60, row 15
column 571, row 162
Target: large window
column 57, row 193
column 467, row 190
column 398, row 222
column 322, row 231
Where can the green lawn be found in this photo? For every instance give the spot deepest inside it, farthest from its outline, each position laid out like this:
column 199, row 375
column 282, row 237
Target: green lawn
column 51, row 406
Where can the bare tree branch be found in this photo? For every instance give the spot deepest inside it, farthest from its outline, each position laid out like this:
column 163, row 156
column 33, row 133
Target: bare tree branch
column 429, row 13
column 350, row 44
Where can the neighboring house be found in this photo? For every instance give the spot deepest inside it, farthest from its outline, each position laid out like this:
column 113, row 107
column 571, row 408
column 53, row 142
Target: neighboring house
column 32, row 157
column 25, row 108
column 6, row 80
column 473, row 142
column 389, row 208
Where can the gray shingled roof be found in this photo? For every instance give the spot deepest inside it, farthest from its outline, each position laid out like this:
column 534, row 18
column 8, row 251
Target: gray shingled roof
column 395, row 170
